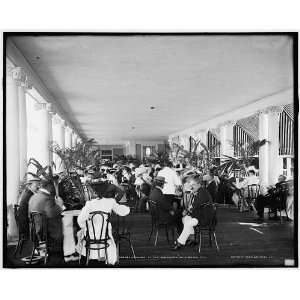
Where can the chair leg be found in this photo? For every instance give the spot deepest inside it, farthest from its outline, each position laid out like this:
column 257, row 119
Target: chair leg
column 210, row 239
column 32, row 254
column 98, row 254
column 215, row 238
column 118, row 251
column 131, row 247
column 152, row 226
column 106, row 256
column 87, row 255
column 287, row 217
column 156, row 237
column 17, row 248
column 167, row 234
column 200, row 238
column 173, row 234
column 46, row 254
column 79, row 260
column 21, row 246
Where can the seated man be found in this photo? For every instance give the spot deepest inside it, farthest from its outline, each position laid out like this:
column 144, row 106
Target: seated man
column 44, row 201
column 166, row 212
column 195, row 214
column 31, row 188
column 269, row 199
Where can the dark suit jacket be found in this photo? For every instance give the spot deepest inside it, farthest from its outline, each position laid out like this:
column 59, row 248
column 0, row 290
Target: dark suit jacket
column 213, row 190
column 163, row 206
column 44, row 203
column 23, row 219
column 202, row 208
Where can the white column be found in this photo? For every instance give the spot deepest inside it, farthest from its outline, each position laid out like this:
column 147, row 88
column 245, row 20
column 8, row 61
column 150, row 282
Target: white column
column 45, row 133
column 263, row 150
column 51, row 112
column 226, row 138
column 274, row 163
column 269, row 160
column 74, row 139
column 13, row 77
column 26, row 84
column 59, row 139
column 68, row 137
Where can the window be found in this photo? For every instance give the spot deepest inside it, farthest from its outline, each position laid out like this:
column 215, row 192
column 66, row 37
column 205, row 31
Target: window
column 148, row 151
column 106, row 154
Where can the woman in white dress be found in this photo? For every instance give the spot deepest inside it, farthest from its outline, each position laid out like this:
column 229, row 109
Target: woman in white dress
column 107, row 205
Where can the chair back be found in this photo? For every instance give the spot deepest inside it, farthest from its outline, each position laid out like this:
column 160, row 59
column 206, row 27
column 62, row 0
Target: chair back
column 282, row 198
column 253, row 191
column 38, row 227
column 153, row 209
column 97, row 229
column 187, row 200
column 208, row 217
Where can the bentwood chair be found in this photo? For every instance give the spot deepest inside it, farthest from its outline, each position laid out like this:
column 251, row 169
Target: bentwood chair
column 187, row 200
column 253, row 193
column 38, row 234
column 156, row 223
column 96, row 235
column 280, row 203
column 207, row 225
column 21, row 237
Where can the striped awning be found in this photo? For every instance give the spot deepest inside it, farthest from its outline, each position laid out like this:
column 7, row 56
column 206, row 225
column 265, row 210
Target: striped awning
column 289, row 109
column 250, row 125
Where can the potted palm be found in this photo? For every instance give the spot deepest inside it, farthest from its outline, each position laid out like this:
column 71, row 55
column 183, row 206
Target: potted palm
column 247, row 157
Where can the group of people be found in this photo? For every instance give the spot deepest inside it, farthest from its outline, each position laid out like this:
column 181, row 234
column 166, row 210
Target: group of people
column 183, row 197
column 42, row 196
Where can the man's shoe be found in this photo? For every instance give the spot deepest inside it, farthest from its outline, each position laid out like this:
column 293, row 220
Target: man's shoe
column 75, row 257
column 68, row 258
column 177, row 246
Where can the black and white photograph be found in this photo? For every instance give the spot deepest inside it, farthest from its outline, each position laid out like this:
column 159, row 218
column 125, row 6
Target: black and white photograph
column 153, row 150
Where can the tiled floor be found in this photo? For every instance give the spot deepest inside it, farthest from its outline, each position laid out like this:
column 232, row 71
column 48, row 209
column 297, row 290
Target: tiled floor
column 242, row 242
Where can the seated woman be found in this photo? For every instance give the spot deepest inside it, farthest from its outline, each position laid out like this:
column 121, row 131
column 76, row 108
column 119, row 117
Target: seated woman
column 108, row 205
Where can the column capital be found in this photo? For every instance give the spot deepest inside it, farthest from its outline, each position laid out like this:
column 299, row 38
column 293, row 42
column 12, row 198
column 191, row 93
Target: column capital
column 58, row 120
column 215, row 132
column 27, row 84
column 69, row 129
column 51, row 110
column 44, row 106
column 20, row 76
column 227, row 123
column 16, row 73
column 271, row 110
column 40, row 106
